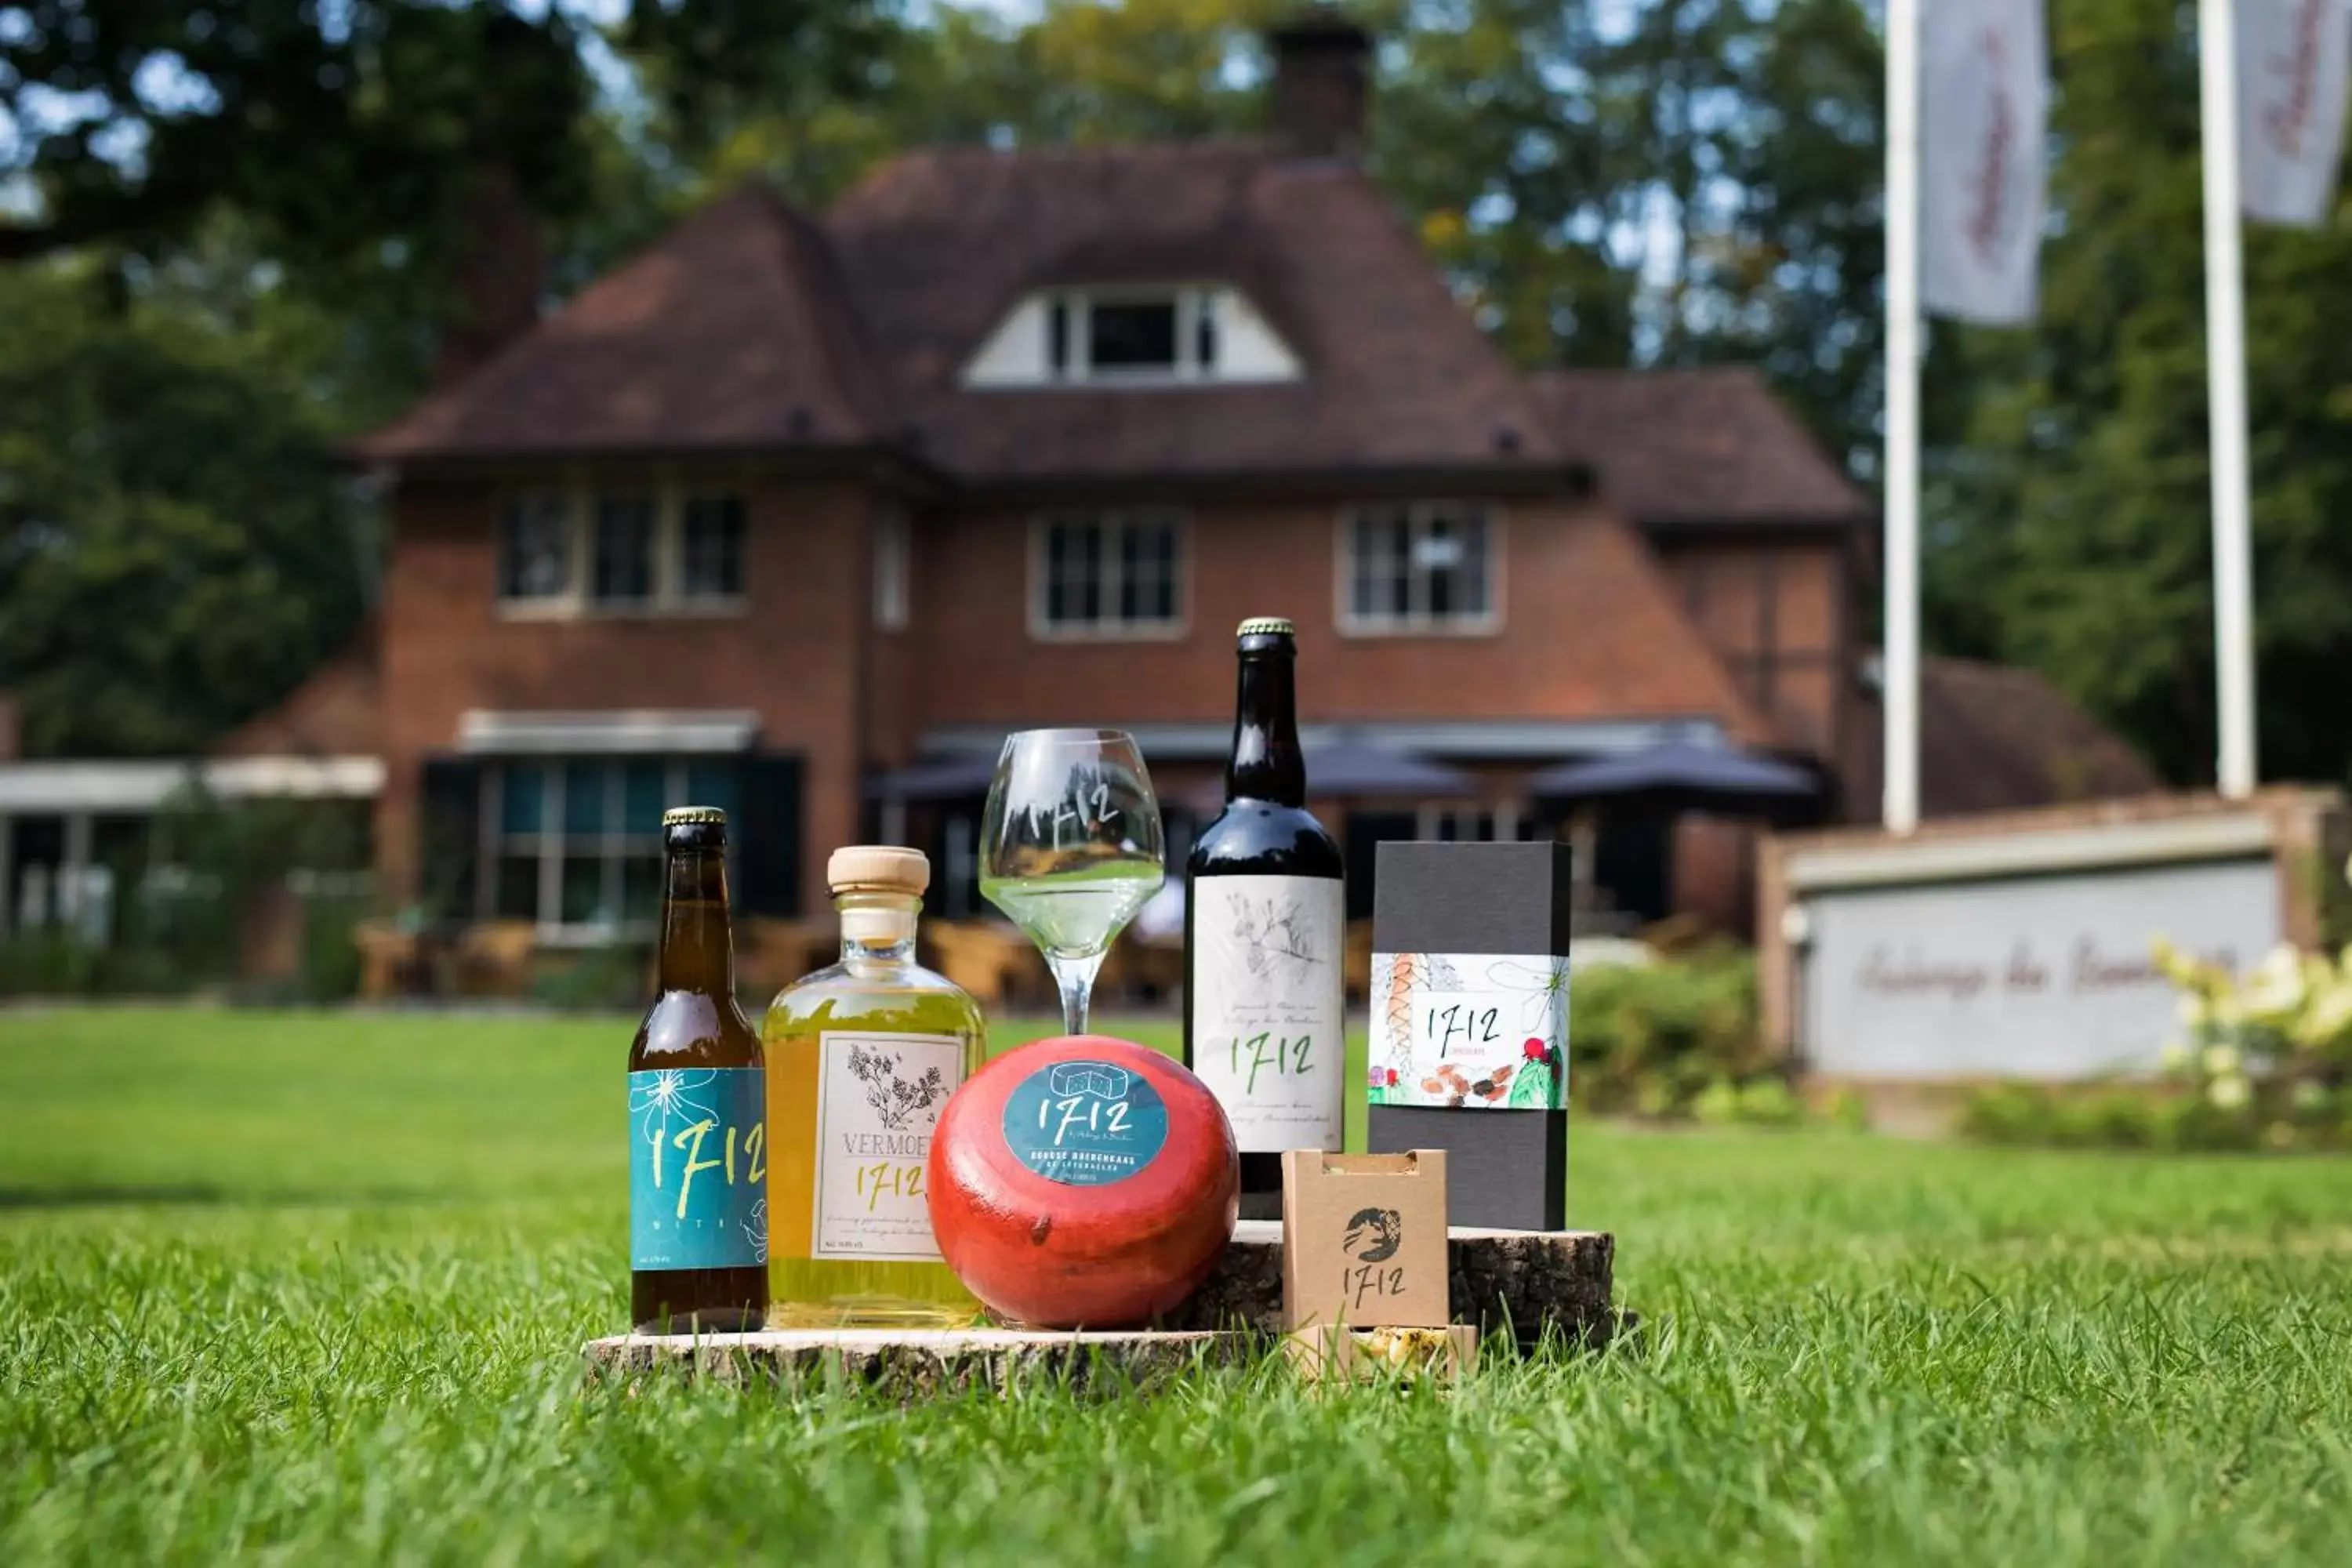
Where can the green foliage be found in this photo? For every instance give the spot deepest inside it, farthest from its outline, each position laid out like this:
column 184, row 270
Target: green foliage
column 2263, row 1064
column 331, row 966
column 176, row 551
column 184, row 896
column 2123, row 1117
column 353, row 137
column 1674, row 1040
column 312, row 1288
column 2070, row 510
column 1650, row 1038
column 612, row 978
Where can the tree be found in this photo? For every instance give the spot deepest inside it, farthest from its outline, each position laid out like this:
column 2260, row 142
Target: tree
column 2071, row 520
column 175, row 551
column 354, row 139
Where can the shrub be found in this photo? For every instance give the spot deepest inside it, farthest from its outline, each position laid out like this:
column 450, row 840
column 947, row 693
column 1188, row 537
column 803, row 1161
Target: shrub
column 331, row 959
column 48, row 962
column 1770, row 1102
column 1651, row 1039
column 2009, row 1113
column 608, row 979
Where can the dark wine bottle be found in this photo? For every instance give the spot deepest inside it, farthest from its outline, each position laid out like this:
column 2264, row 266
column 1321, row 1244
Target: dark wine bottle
column 1265, row 930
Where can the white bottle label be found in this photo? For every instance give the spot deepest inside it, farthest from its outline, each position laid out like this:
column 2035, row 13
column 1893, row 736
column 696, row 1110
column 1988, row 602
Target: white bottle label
column 878, row 1098
column 1266, row 1006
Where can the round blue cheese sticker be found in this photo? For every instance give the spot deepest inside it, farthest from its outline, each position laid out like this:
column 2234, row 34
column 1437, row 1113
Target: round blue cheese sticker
column 1084, row 1123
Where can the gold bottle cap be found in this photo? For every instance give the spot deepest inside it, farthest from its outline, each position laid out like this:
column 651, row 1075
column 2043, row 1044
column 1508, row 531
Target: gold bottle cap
column 1268, row 626
column 686, row 815
column 878, row 869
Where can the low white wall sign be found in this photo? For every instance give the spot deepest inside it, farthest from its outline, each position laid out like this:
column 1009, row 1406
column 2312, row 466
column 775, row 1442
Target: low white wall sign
column 2036, row 977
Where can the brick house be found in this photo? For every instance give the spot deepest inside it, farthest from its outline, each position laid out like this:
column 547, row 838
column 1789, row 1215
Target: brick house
column 800, row 513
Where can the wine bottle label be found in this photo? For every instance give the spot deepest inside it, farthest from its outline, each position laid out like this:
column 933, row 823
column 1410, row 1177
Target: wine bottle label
column 1469, row 1029
column 1267, row 998
column 698, row 1168
column 1084, row 1123
column 878, row 1098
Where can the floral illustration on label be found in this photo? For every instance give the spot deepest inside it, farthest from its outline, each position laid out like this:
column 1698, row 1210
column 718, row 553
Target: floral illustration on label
column 697, row 1168
column 1266, row 1006
column 878, row 1097
column 1273, row 937
column 895, row 1099
column 1497, row 1038
column 1084, row 1123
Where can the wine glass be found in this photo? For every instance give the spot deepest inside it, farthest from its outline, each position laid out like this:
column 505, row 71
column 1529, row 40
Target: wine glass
column 1070, row 848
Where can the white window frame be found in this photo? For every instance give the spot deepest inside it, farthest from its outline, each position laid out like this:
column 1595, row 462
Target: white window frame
column 1113, row 521
column 668, row 600
column 1418, row 620
column 894, row 567
column 1190, row 300
column 550, row 843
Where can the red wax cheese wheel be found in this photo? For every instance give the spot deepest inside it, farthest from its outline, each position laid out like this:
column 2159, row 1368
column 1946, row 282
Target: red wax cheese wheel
column 1083, row 1182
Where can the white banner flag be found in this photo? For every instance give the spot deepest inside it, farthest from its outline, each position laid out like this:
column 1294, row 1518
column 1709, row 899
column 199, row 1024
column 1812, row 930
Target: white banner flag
column 1983, row 102
column 2291, row 60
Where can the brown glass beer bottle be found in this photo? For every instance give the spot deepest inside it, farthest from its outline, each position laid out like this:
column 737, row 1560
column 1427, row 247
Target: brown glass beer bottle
column 698, row 1109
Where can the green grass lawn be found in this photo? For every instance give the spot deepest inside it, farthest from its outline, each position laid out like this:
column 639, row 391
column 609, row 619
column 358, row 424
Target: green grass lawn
column 312, row 1288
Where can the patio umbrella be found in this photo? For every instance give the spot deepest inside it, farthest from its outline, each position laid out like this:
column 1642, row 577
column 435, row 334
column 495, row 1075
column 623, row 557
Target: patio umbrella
column 1678, row 776
column 951, row 778
column 1348, row 769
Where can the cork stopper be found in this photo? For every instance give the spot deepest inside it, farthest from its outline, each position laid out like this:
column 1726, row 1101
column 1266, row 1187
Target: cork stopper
column 878, row 869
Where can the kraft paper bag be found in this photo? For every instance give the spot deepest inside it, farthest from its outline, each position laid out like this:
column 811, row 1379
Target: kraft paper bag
column 1364, row 1239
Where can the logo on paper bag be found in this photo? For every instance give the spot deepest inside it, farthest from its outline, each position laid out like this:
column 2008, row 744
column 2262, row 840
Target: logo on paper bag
column 1373, row 1236
column 1364, row 1239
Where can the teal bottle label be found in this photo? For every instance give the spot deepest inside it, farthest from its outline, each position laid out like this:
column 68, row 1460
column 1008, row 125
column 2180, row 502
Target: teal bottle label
column 698, row 1168
column 1084, row 1123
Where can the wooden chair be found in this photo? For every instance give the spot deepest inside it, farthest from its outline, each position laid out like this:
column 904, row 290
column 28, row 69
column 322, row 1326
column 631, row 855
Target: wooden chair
column 990, row 959
column 1151, row 970
column 388, row 958
column 493, row 959
column 770, row 953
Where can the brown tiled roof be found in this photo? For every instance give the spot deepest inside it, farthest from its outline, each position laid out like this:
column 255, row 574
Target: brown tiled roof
column 732, row 331
column 940, row 244
column 337, row 712
column 751, row 325
column 1996, row 737
column 1695, row 447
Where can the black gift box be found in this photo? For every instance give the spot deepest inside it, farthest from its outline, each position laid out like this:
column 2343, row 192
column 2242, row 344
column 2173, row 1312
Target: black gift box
column 1508, row 1168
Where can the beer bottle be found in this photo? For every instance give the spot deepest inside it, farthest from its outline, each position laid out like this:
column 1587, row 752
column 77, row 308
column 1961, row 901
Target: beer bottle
column 698, row 1109
column 1265, row 930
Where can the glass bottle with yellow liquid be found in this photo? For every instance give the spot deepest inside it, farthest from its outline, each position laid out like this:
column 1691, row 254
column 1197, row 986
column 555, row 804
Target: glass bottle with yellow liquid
column 862, row 1057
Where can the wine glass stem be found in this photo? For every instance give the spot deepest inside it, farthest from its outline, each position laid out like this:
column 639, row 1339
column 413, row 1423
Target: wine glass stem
column 1076, row 977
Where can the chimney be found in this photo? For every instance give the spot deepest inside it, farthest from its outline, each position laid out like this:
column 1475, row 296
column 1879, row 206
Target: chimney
column 494, row 295
column 1322, row 83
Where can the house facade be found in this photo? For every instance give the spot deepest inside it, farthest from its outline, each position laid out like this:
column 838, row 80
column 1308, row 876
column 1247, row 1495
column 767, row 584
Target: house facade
column 793, row 509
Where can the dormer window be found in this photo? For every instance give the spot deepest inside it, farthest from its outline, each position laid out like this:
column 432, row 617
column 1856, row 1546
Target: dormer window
column 1133, row 335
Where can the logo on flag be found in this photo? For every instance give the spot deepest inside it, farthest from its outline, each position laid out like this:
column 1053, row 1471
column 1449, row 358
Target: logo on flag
column 2291, row 59
column 1984, row 100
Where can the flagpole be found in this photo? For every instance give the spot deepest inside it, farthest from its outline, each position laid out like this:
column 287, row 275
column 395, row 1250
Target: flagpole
column 2225, row 375
column 1900, row 665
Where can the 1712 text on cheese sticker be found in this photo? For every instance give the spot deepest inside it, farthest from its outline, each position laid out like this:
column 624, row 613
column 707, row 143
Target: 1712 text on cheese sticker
column 1084, row 1123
